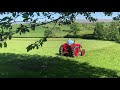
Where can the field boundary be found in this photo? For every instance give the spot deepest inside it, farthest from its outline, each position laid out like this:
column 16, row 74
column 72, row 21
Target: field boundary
column 39, row 37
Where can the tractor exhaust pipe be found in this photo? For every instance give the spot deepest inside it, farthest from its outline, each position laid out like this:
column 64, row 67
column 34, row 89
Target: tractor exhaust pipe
column 74, row 40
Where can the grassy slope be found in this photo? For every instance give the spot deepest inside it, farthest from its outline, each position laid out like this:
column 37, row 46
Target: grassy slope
column 100, row 56
column 39, row 32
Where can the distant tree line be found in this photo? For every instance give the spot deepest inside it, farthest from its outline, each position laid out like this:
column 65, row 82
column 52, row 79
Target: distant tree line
column 109, row 32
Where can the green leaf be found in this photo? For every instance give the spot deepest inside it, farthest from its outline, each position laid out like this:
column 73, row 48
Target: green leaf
column 41, row 44
column 5, row 44
column 13, row 14
column 10, row 37
column 37, row 47
column 1, row 45
column 33, row 26
column 44, row 39
column 20, row 33
column 27, row 30
column 5, row 37
column 38, row 13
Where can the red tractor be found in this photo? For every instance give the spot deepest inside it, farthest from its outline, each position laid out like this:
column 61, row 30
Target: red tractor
column 73, row 50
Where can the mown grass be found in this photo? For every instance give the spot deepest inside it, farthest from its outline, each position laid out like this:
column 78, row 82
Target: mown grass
column 100, row 61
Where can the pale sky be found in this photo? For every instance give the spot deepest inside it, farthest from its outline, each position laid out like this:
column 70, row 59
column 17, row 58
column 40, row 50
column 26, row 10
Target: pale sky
column 98, row 15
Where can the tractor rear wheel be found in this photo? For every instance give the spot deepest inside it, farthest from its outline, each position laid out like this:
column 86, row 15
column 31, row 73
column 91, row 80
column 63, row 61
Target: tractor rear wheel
column 74, row 51
column 61, row 50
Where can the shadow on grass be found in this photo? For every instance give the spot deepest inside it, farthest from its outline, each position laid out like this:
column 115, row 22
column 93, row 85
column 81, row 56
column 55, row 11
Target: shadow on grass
column 34, row 66
column 85, row 36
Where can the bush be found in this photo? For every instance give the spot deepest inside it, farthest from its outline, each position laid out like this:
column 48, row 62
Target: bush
column 107, row 33
column 118, row 37
column 66, row 30
column 113, row 32
column 99, row 31
column 88, row 36
column 75, row 28
column 72, row 36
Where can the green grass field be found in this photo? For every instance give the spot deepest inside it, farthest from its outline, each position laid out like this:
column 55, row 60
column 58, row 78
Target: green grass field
column 100, row 61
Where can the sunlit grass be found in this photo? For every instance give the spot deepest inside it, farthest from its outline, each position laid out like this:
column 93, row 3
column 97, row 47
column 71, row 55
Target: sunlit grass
column 100, row 55
column 104, row 54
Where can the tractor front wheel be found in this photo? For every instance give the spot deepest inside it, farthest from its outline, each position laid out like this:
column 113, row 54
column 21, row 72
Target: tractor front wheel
column 83, row 52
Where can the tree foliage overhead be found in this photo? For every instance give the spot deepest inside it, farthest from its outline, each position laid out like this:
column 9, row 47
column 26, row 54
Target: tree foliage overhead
column 34, row 19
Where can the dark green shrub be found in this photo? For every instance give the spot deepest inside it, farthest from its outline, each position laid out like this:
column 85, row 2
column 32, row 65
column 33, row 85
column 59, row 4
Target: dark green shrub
column 113, row 32
column 88, row 36
column 72, row 36
column 99, row 31
column 106, row 33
